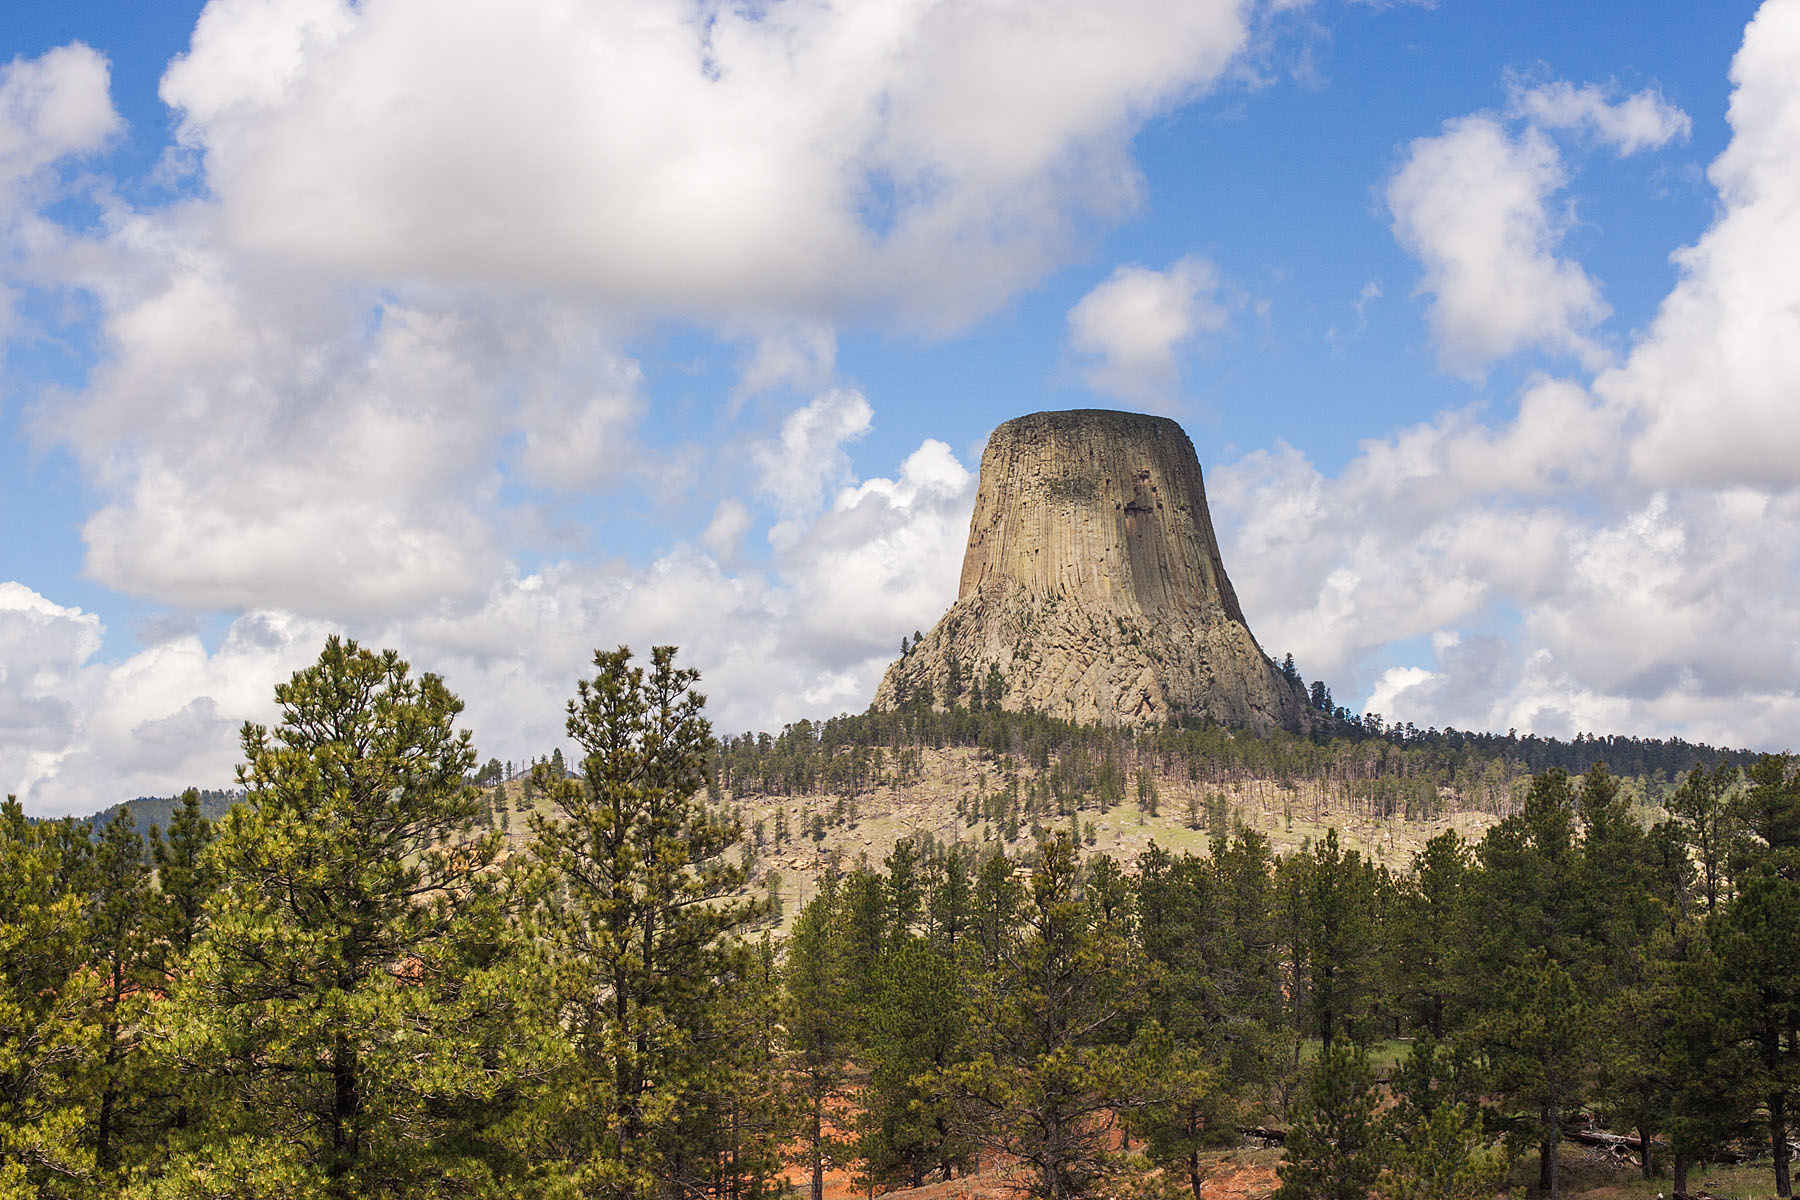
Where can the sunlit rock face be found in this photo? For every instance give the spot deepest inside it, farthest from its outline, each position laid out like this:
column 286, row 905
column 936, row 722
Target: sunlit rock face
column 1092, row 582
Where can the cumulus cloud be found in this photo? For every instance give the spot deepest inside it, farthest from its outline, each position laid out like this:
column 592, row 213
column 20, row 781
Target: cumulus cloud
column 82, row 734
column 51, row 107
column 808, row 634
column 1134, row 324
column 284, row 447
column 796, row 467
column 428, row 231
column 1473, row 205
column 267, row 439
column 1713, row 382
column 683, row 155
column 1613, row 556
column 1654, row 612
column 1640, row 121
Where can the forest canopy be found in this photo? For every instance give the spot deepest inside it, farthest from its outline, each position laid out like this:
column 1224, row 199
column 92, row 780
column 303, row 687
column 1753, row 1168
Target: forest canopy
column 349, row 983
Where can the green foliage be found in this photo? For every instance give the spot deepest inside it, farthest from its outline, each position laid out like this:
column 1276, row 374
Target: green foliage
column 353, row 1007
column 1189, row 1107
column 1425, row 935
column 48, row 1030
column 342, row 990
column 1710, row 822
column 645, row 930
column 817, row 1037
column 1759, row 947
column 186, row 877
column 1055, row 1067
column 122, row 949
column 916, row 1028
column 1333, row 1149
column 1334, row 921
column 1446, row 1156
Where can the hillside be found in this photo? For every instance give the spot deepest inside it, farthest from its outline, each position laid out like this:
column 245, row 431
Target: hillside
column 835, row 792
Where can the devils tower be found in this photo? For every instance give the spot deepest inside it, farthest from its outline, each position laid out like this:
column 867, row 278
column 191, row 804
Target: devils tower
column 1092, row 588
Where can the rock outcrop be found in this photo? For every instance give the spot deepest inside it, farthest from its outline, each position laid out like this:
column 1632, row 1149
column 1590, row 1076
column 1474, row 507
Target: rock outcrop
column 1092, row 587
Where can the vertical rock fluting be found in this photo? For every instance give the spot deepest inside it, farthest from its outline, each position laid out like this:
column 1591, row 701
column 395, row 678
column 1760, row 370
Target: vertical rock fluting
column 1092, row 587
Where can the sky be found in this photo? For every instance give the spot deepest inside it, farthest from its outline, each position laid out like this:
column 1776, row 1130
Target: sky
column 497, row 333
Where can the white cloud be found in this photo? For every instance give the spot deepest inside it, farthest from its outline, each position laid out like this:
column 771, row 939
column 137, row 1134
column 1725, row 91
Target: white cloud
column 51, row 107
column 795, row 468
column 1622, row 612
column 1137, row 320
column 1473, row 205
column 81, row 734
column 795, row 354
column 259, row 449
column 387, row 333
column 1640, row 121
column 685, row 156
column 1713, row 383
column 263, row 439
column 724, row 534
column 809, row 635
column 883, row 560
column 429, row 228
column 1614, row 558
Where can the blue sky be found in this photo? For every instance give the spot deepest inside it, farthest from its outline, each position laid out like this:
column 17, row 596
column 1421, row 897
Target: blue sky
column 497, row 333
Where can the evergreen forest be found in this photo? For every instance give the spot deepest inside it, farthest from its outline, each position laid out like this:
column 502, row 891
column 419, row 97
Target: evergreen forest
column 342, row 980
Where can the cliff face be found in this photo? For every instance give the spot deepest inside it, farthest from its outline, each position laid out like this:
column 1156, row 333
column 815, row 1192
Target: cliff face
column 1092, row 587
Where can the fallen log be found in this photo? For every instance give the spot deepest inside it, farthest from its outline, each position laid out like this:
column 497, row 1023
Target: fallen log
column 1609, row 1141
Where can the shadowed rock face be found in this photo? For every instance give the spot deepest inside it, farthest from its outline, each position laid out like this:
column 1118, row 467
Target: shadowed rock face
column 1092, row 582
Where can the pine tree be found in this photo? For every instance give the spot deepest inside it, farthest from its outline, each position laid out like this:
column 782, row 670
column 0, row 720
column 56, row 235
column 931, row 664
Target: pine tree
column 1332, row 1151
column 47, row 1008
column 1703, row 806
column 1539, row 1040
column 1447, row 1156
column 1054, row 1069
column 350, row 999
column 1436, row 1146
column 185, row 878
column 122, row 946
column 1334, row 895
column 1524, row 980
column 949, row 902
column 647, row 930
column 1712, row 1076
column 1189, row 1109
column 731, row 1140
column 818, row 1038
column 1426, row 935
column 1759, row 946
column 915, row 1035
column 1770, row 810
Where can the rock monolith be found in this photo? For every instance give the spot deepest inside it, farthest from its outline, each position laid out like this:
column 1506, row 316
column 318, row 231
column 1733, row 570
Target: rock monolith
column 1092, row 588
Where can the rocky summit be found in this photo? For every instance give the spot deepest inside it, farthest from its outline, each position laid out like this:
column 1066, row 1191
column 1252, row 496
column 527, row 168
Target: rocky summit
column 1092, row 587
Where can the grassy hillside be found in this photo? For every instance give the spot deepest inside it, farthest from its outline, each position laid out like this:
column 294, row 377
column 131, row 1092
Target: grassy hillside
column 1124, row 793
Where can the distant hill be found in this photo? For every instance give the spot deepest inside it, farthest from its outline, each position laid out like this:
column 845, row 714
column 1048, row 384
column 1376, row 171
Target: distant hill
column 160, row 810
column 853, row 785
column 835, row 791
